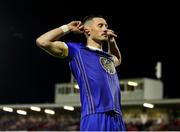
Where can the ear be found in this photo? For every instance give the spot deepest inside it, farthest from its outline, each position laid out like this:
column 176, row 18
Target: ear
column 87, row 31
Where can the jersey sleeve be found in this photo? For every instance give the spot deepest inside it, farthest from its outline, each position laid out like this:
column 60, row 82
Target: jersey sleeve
column 72, row 49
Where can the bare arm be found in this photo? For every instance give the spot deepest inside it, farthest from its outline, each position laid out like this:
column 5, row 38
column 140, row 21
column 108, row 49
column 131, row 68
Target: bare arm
column 49, row 41
column 113, row 48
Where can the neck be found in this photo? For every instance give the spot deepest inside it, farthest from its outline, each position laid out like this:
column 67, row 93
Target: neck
column 94, row 44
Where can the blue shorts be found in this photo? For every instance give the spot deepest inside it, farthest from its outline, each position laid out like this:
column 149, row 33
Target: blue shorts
column 107, row 121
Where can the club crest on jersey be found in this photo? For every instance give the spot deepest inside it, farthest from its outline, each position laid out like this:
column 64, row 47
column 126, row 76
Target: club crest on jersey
column 107, row 65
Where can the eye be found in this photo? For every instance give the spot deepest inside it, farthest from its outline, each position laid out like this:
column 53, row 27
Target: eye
column 100, row 25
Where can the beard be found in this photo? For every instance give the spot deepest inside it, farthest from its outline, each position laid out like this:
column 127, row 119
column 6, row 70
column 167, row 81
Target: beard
column 101, row 39
column 104, row 40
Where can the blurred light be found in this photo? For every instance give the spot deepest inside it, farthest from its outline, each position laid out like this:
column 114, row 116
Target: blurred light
column 8, row 109
column 48, row 111
column 158, row 70
column 148, row 105
column 35, row 108
column 76, row 86
column 21, row 112
column 69, row 108
column 132, row 83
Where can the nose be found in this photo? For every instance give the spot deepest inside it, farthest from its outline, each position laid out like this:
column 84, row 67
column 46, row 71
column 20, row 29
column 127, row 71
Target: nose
column 105, row 29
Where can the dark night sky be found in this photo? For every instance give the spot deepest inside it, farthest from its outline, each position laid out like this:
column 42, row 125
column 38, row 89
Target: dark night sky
column 146, row 34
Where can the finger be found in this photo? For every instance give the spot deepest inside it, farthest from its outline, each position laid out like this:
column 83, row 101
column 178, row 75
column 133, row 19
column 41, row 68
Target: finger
column 111, row 34
column 111, row 31
column 81, row 28
column 114, row 35
column 79, row 23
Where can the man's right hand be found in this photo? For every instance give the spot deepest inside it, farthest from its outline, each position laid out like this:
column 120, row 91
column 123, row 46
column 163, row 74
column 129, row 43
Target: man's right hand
column 76, row 27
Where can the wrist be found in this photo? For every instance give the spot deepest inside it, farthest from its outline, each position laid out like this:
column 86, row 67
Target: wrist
column 65, row 29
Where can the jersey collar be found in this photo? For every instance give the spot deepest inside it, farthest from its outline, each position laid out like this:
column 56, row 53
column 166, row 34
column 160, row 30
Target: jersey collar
column 94, row 48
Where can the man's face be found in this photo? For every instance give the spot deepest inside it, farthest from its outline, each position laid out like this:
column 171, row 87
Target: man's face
column 98, row 30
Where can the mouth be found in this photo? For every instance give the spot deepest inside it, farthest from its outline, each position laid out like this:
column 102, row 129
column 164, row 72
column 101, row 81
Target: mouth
column 105, row 35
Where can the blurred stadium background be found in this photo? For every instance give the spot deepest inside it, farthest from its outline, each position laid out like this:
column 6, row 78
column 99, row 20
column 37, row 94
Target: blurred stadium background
column 143, row 108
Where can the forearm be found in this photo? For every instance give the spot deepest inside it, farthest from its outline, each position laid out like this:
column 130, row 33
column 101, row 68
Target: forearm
column 50, row 42
column 114, row 50
column 50, row 36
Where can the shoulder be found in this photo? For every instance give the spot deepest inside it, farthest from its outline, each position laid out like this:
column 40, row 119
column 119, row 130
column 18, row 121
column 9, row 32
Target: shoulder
column 74, row 45
column 73, row 48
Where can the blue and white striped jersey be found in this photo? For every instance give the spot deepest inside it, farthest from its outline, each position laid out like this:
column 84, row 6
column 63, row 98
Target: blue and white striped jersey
column 96, row 75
